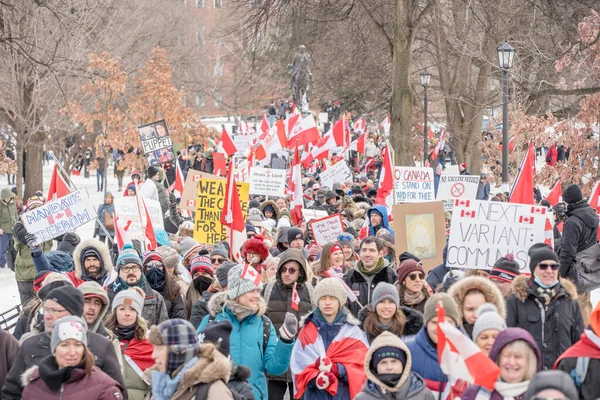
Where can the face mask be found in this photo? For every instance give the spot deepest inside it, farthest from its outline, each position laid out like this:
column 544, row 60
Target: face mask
column 202, row 283
column 156, row 278
column 255, row 260
column 540, row 284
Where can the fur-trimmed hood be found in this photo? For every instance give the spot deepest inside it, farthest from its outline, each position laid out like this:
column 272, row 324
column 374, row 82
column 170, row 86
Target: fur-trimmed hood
column 218, row 301
column 492, row 294
column 271, row 203
column 521, row 288
column 27, row 376
column 386, row 339
column 100, row 247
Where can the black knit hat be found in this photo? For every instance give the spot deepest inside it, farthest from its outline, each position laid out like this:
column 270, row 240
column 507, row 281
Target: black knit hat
column 505, row 269
column 572, row 194
column 406, row 256
column 217, row 333
column 222, row 272
column 69, row 241
column 152, row 171
column 387, row 352
column 294, row 233
column 68, row 297
column 540, row 254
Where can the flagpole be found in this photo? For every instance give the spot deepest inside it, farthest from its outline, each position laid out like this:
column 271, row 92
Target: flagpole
column 70, row 182
column 137, row 200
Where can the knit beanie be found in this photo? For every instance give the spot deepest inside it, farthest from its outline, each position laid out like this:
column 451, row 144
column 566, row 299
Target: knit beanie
column 68, row 297
column 90, row 251
column 487, row 318
column 152, row 256
column 130, row 297
column 553, row 379
column 387, row 352
column 505, row 269
column 237, row 285
column 170, row 256
column 572, row 194
column 219, row 334
column 256, row 245
column 294, row 233
column 383, row 291
column 541, row 254
column 128, row 255
column 48, row 286
column 69, row 241
column 201, row 264
column 220, row 250
column 408, row 256
column 222, row 273
column 93, row 289
column 69, row 327
column 330, row 287
column 449, row 305
column 408, row 266
column 188, row 245
column 345, row 239
column 180, row 338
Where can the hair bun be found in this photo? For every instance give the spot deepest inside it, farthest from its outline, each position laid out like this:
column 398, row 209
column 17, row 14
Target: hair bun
column 486, row 307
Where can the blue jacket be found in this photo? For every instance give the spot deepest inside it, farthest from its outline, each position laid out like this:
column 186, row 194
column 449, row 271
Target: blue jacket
column 246, row 344
column 425, row 361
column 385, row 224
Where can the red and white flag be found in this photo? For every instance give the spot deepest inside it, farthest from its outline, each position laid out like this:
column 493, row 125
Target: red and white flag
column 121, row 235
column 295, row 189
column 385, row 125
column 58, row 187
column 555, row 195
column 525, row 220
column 304, row 132
column 359, row 144
column 349, row 293
column 594, row 202
column 438, row 146
column 522, row 190
column 264, row 124
column 295, row 298
column 340, row 133
column 385, row 191
column 360, row 125
column 232, row 217
column 460, row 358
column 251, row 274
column 179, row 181
column 467, row 213
column 226, row 144
column 148, row 228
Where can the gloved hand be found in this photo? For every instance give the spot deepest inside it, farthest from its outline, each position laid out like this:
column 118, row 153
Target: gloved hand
column 30, row 239
column 324, row 380
column 324, row 364
column 172, row 198
column 289, row 329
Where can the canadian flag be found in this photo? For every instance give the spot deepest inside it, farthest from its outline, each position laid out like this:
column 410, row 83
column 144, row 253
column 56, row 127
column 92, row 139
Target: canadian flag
column 594, row 202
column 538, row 210
column 226, row 144
column 340, row 133
column 295, row 189
column 460, row 358
column 304, row 132
column 385, row 191
column 359, row 144
column 512, row 143
column 121, row 235
column 243, row 126
column 264, row 124
column 148, row 228
column 58, row 187
column 438, row 146
column 360, row 125
column 232, row 217
column 295, row 298
column 462, row 203
column 251, row 274
column 549, row 232
column 467, row 213
column 555, row 195
column 385, row 125
column 179, row 182
column 526, row 220
column 522, row 190
column 53, row 218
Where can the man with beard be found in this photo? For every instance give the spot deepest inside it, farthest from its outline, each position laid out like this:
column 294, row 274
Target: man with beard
column 129, row 268
column 95, row 307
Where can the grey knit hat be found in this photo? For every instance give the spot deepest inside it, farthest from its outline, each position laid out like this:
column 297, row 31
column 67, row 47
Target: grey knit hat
column 129, row 297
column 383, row 291
column 237, row 285
column 449, row 305
column 330, row 287
column 487, row 318
column 70, row 327
column 188, row 245
column 219, row 250
column 554, row 379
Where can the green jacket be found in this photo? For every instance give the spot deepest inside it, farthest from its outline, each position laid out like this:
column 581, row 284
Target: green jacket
column 8, row 216
column 24, row 268
column 163, row 197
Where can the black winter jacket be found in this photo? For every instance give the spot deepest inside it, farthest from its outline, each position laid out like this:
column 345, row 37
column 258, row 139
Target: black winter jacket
column 200, row 309
column 555, row 328
column 175, row 309
column 363, row 285
column 436, row 276
column 580, row 232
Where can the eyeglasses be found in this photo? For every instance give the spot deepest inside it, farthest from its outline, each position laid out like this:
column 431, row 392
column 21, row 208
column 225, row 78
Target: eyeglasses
column 545, row 266
column 290, row 270
column 217, row 260
column 53, row 311
column 413, row 277
column 132, row 268
column 154, row 264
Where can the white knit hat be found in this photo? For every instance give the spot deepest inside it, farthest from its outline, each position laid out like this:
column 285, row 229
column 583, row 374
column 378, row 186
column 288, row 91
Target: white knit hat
column 237, row 285
column 487, row 318
column 330, row 287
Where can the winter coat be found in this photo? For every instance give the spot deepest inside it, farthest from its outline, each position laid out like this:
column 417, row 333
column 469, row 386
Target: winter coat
column 175, row 309
column 163, row 197
column 414, row 322
column 200, row 309
column 148, row 189
column 425, row 361
column 9, row 347
column 410, row 385
column 78, row 276
column 589, row 389
column 24, row 267
column 238, row 382
column 95, row 386
column 554, row 329
column 135, row 386
column 246, row 343
column 363, row 285
column 8, row 214
column 580, row 232
column 104, row 208
column 385, row 224
column 483, row 191
column 37, row 347
column 154, row 310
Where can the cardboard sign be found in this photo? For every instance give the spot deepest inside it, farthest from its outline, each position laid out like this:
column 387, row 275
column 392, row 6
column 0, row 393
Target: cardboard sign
column 267, row 181
column 326, row 230
column 209, row 206
column 413, row 184
column 453, row 187
column 420, row 229
column 156, row 143
column 308, row 215
column 483, row 231
column 126, row 208
column 60, row 216
column 338, row 172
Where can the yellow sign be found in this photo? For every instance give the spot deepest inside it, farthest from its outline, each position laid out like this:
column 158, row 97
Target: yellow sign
column 209, row 206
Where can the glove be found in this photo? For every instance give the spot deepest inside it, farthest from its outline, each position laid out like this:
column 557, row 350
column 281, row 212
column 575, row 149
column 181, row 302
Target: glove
column 172, row 198
column 324, row 380
column 289, row 329
column 30, row 239
column 324, row 364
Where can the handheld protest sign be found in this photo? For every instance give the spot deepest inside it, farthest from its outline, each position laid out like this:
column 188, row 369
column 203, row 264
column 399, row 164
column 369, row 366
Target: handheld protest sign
column 59, row 216
column 267, row 181
column 456, row 187
column 190, row 189
column 420, row 229
column 413, row 184
column 338, row 172
column 326, row 230
column 308, row 214
column 156, row 143
column 481, row 232
column 126, row 208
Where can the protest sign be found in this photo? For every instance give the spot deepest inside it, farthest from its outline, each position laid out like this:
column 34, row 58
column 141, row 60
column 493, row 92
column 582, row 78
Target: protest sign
column 267, row 181
column 209, row 206
column 420, row 229
column 326, row 230
column 241, row 143
column 126, row 208
column 338, row 172
column 190, row 188
column 453, row 187
column 156, row 142
column 413, row 184
column 481, row 232
column 308, row 215
column 60, row 216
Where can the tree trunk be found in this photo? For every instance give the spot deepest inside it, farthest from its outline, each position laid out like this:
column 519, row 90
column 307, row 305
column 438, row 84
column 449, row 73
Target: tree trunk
column 34, row 179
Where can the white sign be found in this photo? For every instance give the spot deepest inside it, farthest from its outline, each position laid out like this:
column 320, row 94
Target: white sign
column 483, row 231
column 326, row 230
column 126, row 209
column 454, row 187
column 338, row 172
column 313, row 214
column 267, row 181
column 60, row 216
column 413, row 184
column 241, row 143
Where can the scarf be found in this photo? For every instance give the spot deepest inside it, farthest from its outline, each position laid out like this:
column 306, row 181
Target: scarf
column 412, row 299
column 119, row 284
column 509, row 391
column 52, row 375
column 545, row 293
column 390, row 380
column 202, row 283
column 156, row 279
column 125, row 332
column 164, row 386
column 239, row 310
column 378, row 267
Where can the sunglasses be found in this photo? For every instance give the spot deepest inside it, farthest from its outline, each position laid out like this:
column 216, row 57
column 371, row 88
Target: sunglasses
column 545, row 266
column 217, row 260
column 290, row 270
column 345, row 237
column 413, row 277
column 155, row 264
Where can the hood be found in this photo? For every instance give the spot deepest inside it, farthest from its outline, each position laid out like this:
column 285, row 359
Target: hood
column 100, row 247
column 272, row 204
column 383, row 340
column 584, row 212
column 6, row 193
column 492, row 294
column 383, row 210
column 510, row 335
column 218, row 301
column 93, row 289
column 293, row 255
column 521, row 288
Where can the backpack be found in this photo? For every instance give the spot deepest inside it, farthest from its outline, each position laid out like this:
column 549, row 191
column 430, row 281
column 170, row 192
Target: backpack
column 587, row 268
column 266, row 329
column 580, row 371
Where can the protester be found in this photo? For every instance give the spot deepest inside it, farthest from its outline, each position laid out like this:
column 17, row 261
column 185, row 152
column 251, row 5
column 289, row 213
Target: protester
column 171, row 263
column 378, row 219
column 436, row 275
column 203, row 276
column 519, row 359
column 92, row 263
column 412, row 288
column 244, row 308
column 95, row 307
column 295, row 238
column 327, row 361
column 106, row 213
column 189, row 250
column 200, row 307
column 332, row 257
column 483, row 189
column 9, row 348
column 134, row 349
column 545, row 306
column 8, row 219
column 70, row 371
column 346, row 240
column 255, row 252
column 552, row 385
column 388, row 250
column 470, row 293
column 504, row 272
column 161, row 281
column 487, row 327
